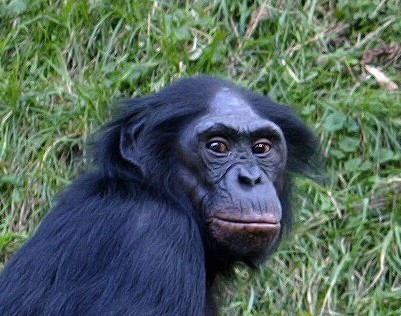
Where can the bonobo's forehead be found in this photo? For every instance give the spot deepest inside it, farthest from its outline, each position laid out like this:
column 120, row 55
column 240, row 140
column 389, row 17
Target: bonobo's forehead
column 227, row 103
column 228, row 108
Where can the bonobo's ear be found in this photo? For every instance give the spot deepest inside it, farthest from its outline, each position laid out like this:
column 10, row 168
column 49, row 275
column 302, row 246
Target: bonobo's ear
column 304, row 152
column 131, row 140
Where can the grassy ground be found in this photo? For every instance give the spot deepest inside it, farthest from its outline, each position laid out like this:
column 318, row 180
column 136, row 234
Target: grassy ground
column 63, row 63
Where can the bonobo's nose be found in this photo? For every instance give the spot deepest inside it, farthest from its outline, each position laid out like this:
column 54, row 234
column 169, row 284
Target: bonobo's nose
column 249, row 175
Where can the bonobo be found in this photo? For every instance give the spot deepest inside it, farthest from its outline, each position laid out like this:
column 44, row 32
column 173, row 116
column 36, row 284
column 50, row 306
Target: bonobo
column 186, row 182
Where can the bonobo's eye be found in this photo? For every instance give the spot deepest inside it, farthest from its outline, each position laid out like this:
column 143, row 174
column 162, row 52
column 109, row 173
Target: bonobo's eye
column 218, row 145
column 261, row 146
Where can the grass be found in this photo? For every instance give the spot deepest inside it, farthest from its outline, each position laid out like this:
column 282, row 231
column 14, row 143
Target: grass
column 64, row 63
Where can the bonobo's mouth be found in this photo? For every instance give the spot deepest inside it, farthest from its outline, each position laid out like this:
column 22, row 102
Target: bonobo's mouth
column 246, row 234
column 259, row 225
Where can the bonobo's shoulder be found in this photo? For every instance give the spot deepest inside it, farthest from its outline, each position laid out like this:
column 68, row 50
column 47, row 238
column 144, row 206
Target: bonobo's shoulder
column 85, row 186
column 92, row 197
column 95, row 192
column 95, row 185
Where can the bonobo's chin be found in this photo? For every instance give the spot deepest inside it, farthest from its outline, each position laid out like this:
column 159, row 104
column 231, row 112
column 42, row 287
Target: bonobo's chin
column 245, row 236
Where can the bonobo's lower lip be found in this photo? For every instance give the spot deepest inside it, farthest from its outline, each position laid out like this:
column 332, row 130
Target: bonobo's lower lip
column 261, row 226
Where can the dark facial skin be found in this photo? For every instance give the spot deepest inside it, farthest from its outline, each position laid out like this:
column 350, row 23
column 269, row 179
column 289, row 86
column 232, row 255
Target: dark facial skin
column 236, row 157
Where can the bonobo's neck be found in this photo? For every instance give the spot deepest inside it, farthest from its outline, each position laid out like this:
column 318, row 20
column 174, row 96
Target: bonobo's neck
column 217, row 261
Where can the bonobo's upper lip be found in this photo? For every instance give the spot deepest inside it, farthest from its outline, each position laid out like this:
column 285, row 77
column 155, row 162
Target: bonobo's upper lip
column 244, row 220
column 248, row 218
column 266, row 224
column 246, row 225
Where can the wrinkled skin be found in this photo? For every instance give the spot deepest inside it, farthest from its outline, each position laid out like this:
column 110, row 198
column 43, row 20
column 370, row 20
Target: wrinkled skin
column 240, row 156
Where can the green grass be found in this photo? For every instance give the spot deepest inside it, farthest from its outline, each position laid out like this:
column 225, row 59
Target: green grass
column 64, row 63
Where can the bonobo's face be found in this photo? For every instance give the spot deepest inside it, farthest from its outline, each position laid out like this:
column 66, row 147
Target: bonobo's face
column 233, row 159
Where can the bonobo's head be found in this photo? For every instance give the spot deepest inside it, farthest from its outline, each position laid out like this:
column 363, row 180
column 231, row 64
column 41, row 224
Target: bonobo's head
column 241, row 159
column 223, row 150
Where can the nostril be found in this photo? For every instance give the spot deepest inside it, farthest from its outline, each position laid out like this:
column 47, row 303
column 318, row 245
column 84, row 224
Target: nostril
column 249, row 175
column 244, row 179
column 249, row 180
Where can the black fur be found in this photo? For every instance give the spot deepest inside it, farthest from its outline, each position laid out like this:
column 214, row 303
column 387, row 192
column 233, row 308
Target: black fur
column 125, row 239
